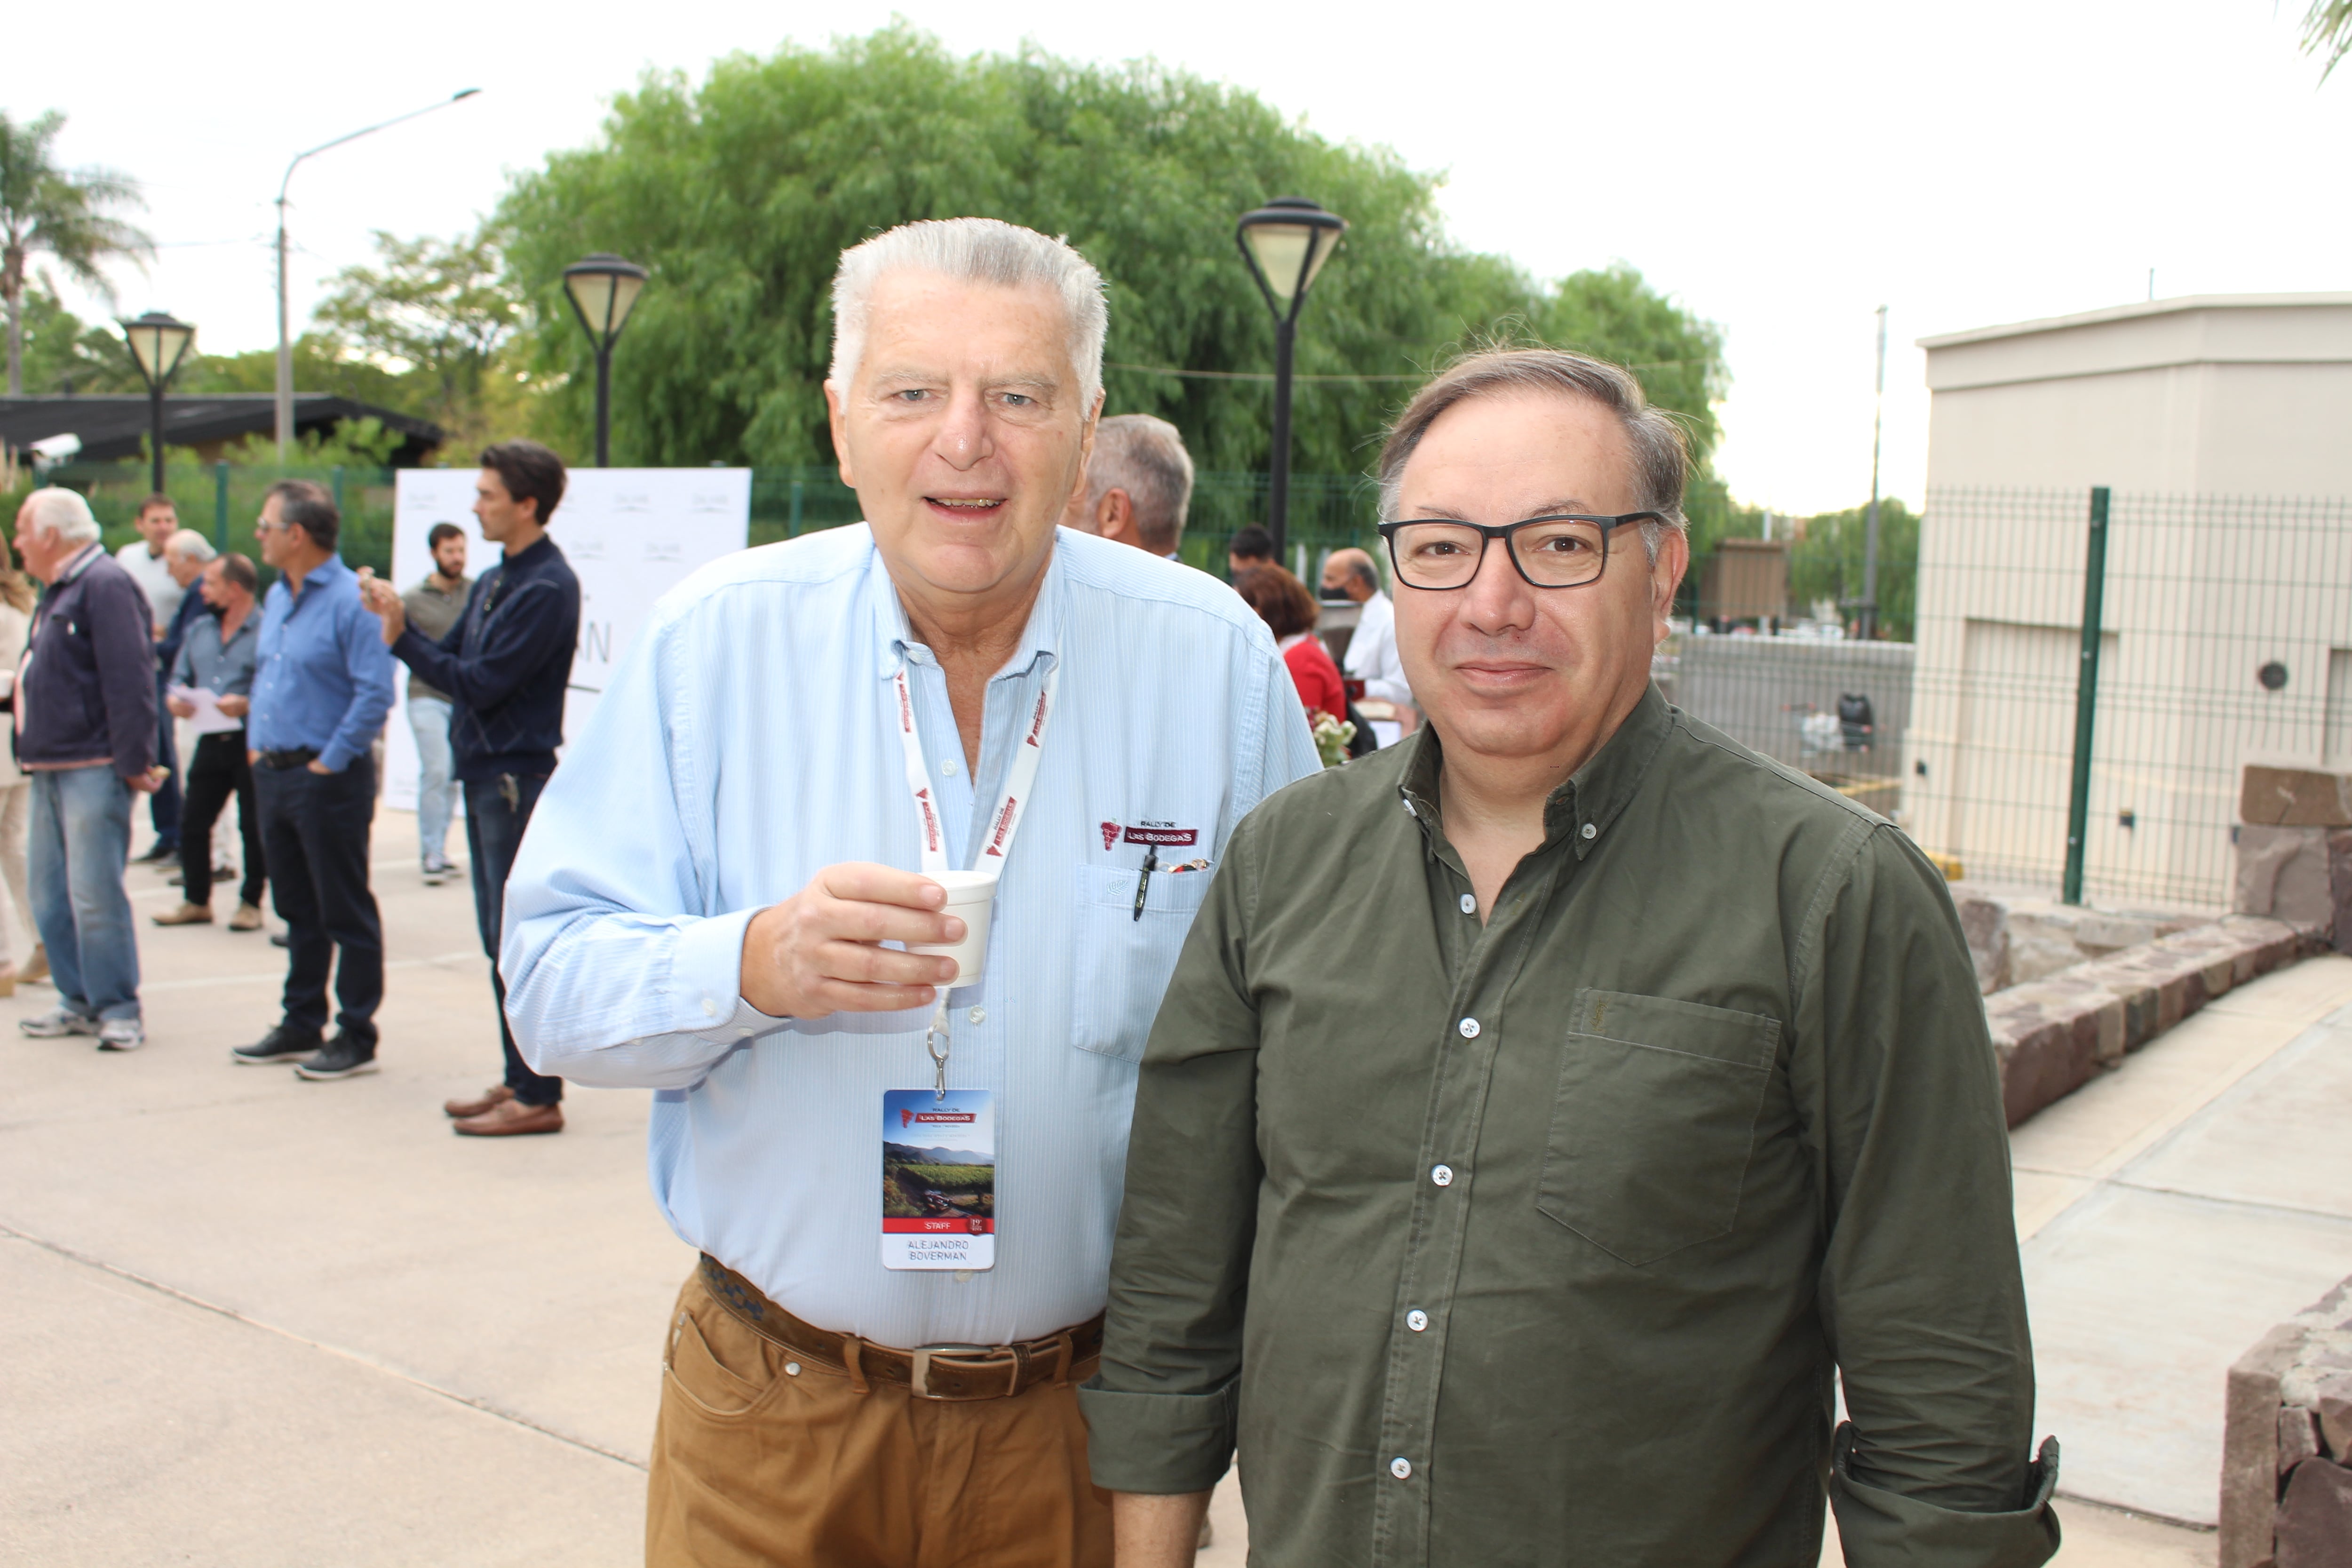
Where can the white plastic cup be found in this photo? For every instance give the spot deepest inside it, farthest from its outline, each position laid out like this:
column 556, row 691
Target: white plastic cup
column 971, row 896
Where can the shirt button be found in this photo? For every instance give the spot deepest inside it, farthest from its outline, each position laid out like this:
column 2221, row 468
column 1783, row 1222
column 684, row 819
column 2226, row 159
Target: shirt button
column 1442, row 1174
column 948, row 768
column 978, row 1015
column 1469, row 904
column 709, row 1008
column 1469, row 1027
column 1591, row 831
column 1416, row 1320
column 791, row 1369
column 1401, row 1467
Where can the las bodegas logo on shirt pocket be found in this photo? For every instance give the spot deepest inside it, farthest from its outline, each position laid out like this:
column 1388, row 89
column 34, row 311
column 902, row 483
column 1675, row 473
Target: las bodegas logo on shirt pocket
column 1156, row 835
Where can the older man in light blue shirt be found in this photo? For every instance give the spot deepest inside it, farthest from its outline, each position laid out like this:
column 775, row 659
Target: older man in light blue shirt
column 703, row 901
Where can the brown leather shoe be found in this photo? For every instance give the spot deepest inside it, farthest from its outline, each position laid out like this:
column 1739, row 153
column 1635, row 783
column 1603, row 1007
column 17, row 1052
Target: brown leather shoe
column 247, row 918
column 186, row 915
column 491, row 1099
column 511, row 1119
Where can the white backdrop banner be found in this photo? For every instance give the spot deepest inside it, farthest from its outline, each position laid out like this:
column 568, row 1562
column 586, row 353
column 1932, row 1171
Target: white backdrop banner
column 631, row 534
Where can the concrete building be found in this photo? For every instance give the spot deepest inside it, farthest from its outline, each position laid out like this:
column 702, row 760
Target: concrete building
column 2223, row 426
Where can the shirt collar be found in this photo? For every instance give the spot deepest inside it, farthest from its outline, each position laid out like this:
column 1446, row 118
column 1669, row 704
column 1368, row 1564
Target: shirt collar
column 325, row 571
column 1583, row 807
column 893, row 636
column 80, row 562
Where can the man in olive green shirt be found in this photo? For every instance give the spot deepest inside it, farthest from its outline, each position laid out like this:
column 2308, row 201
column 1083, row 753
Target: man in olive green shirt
column 1545, row 1108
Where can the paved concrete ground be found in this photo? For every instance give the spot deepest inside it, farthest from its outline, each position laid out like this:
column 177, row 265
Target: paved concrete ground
column 262, row 1322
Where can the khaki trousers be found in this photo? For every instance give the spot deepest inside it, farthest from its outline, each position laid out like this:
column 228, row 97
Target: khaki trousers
column 757, row 1464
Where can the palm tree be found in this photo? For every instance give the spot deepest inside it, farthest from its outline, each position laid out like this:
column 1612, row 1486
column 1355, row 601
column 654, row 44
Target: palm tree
column 60, row 210
column 2328, row 30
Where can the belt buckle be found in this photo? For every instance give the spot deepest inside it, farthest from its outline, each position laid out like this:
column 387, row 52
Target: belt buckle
column 919, row 1375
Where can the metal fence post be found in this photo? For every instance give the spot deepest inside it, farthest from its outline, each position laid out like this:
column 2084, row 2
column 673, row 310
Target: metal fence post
column 220, row 506
column 792, row 528
column 339, row 488
column 2087, row 696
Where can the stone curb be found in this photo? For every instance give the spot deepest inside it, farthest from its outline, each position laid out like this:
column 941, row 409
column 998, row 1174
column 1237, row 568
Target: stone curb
column 2054, row 1035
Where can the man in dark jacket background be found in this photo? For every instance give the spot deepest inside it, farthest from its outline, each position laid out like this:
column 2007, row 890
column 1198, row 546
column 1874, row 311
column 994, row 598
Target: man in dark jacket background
column 86, row 733
column 505, row 665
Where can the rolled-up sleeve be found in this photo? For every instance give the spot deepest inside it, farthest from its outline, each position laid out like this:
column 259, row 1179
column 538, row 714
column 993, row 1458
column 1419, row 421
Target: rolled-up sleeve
column 617, row 974
column 1922, row 1288
column 1163, row 1409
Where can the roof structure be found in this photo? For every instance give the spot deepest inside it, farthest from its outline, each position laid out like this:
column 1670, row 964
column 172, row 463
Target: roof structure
column 116, row 426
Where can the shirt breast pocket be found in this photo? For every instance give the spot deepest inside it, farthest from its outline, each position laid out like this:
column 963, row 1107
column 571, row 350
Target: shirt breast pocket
column 1654, row 1122
column 1122, row 965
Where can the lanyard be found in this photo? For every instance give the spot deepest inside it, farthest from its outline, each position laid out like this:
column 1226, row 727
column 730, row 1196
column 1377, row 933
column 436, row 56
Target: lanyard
column 1003, row 820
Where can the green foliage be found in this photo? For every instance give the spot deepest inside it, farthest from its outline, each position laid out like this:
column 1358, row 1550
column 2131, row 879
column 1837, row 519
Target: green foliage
column 436, row 313
column 62, row 213
column 741, row 193
column 1615, row 315
column 64, row 355
column 355, row 444
column 1827, row 564
column 322, row 364
column 2328, row 30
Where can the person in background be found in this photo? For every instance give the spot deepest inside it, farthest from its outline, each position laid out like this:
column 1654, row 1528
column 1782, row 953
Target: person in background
column 15, row 789
column 185, row 555
column 1288, row 610
column 219, row 656
column 86, row 731
column 432, row 607
column 1251, row 546
column 1371, row 651
column 505, row 664
column 1138, row 485
column 148, row 560
column 322, row 686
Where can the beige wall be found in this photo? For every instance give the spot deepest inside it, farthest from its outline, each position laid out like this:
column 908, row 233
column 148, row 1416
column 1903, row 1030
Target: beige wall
column 2224, row 428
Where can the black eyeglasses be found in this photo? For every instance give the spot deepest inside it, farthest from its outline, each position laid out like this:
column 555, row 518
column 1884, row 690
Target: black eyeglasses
column 1566, row 550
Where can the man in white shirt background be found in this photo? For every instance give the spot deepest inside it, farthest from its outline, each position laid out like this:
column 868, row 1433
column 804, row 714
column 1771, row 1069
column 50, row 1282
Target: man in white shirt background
column 148, row 560
column 1138, row 485
column 1373, row 650
column 699, row 906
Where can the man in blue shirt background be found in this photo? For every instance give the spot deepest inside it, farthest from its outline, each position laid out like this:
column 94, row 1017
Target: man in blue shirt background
column 320, row 692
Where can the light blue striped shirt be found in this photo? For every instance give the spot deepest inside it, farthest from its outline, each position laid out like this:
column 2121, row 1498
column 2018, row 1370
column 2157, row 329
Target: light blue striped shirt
column 745, row 743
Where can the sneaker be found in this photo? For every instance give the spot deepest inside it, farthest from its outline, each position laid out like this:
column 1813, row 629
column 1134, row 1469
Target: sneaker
column 122, row 1035
column 280, row 1044
column 187, row 914
column 247, row 918
column 432, row 875
column 341, row 1057
column 58, row 1021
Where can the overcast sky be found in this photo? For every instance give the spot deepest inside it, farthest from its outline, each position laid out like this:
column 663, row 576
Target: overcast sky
column 1781, row 170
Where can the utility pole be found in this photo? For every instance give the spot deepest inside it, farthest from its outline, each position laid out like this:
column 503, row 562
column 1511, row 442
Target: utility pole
column 1870, row 520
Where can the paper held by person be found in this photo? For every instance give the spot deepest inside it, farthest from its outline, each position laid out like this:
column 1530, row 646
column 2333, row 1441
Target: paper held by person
column 209, row 720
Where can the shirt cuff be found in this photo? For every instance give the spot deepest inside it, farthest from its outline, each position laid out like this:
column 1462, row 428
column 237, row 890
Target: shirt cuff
column 1884, row 1528
column 707, row 980
column 1162, row 1444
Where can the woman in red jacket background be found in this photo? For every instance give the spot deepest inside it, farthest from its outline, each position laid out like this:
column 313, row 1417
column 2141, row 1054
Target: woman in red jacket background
column 1290, row 612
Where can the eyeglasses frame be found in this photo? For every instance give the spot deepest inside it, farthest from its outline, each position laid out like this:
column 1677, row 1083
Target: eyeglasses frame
column 1489, row 532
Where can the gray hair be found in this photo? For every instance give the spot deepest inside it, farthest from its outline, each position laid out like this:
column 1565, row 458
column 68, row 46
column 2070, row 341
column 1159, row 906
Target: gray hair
column 1661, row 452
column 61, row 511
column 1144, row 455
column 972, row 251
column 189, row 544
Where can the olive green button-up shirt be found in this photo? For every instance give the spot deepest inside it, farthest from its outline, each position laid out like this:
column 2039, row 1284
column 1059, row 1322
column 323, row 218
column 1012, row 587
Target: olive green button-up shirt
column 1540, row 1240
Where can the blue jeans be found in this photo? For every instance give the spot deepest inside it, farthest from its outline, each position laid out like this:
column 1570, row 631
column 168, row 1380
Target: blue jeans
column 77, row 849
column 437, row 792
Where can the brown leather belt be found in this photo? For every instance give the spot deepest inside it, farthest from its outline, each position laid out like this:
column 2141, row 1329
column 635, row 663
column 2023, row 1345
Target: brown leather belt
column 959, row 1372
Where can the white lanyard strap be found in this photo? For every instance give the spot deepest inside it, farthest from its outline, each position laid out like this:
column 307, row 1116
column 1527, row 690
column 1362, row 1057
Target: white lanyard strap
column 1020, row 779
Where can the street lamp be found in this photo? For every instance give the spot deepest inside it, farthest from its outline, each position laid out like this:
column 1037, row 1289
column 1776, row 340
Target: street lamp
column 604, row 290
column 285, row 342
column 1286, row 242
column 159, row 343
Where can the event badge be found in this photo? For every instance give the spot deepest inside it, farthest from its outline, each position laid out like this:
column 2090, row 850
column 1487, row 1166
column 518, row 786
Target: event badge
column 939, row 1179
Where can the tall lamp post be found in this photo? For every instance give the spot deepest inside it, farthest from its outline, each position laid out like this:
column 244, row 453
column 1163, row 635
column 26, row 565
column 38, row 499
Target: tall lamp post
column 1286, row 242
column 159, row 343
column 285, row 342
column 604, row 290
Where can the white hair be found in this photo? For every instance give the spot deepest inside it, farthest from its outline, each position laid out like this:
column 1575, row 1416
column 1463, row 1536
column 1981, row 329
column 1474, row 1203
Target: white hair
column 1145, row 457
column 61, row 511
column 972, row 251
column 189, row 544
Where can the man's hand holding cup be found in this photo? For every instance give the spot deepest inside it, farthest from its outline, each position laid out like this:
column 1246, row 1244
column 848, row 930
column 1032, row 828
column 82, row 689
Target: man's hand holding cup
column 820, row 952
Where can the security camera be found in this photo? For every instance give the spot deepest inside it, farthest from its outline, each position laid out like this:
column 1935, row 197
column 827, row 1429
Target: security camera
column 54, row 450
